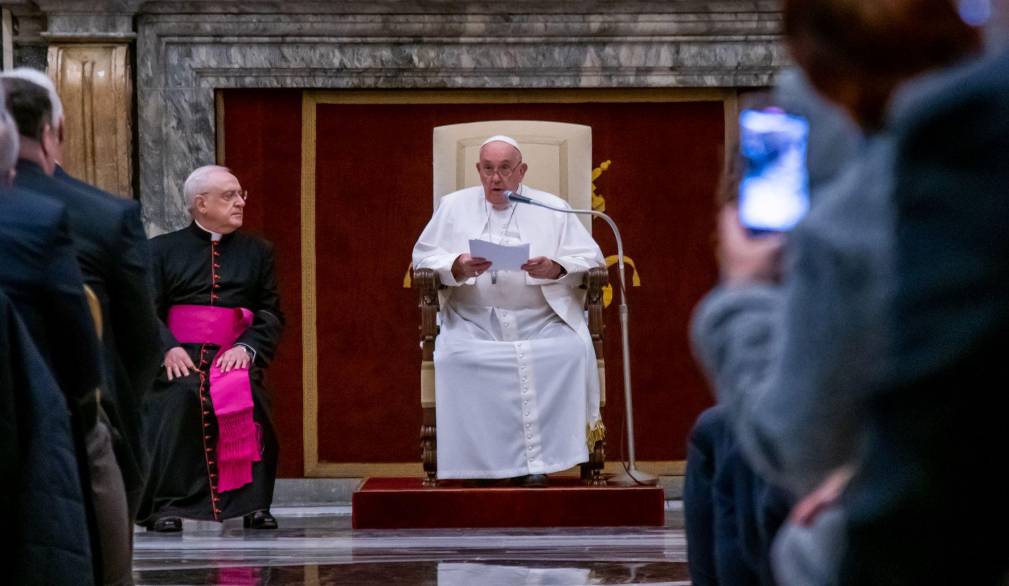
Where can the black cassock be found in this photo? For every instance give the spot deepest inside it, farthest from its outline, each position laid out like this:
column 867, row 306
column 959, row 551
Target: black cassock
column 180, row 427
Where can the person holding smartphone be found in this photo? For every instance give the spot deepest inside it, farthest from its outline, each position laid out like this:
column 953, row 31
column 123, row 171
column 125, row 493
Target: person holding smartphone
column 732, row 513
column 795, row 336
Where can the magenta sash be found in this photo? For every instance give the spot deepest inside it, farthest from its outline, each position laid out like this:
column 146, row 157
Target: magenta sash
column 230, row 393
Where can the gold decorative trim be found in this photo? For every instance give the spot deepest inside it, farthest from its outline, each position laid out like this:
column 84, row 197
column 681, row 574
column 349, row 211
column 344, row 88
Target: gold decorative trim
column 309, row 335
column 364, row 470
column 598, row 201
column 526, row 96
column 309, row 103
column 219, row 129
column 731, row 112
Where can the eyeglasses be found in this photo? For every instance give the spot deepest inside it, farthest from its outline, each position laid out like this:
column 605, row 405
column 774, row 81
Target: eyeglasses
column 229, row 196
column 504, row 172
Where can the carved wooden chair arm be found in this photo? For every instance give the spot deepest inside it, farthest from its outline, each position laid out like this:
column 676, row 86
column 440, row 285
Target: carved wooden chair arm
column 596, row 279
column 427, row 283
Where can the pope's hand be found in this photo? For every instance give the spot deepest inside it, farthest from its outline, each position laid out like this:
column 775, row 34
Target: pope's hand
column 466, row 266
column 178, row 364
column 541, row 267
column 237, row 357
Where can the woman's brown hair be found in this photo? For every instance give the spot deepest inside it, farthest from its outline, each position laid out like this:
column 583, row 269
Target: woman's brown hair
column 876, row 44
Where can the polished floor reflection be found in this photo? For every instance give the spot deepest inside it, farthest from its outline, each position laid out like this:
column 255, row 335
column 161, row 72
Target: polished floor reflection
column 316, row 545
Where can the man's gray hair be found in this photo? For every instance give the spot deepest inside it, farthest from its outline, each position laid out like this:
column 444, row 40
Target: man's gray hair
column 10, row 140
column 40, row 79
column 196, row 183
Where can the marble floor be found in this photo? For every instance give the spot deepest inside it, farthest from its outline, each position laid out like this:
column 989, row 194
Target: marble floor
column 316, row 545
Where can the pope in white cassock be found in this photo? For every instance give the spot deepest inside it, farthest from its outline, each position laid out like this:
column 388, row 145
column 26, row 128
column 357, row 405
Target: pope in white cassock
column 516, row 383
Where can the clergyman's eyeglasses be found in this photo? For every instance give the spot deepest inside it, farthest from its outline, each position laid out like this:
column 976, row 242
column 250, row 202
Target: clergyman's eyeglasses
column 229, row 196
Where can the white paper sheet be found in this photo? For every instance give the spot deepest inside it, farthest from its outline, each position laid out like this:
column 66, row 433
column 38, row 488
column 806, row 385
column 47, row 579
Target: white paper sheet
column 502, row 258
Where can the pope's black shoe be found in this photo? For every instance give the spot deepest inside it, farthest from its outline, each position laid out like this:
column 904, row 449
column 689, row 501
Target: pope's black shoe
column 165, row 525
column 259, row 520
column 533, row 481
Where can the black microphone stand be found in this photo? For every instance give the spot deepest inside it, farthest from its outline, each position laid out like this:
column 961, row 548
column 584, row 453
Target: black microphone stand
column 631, row 476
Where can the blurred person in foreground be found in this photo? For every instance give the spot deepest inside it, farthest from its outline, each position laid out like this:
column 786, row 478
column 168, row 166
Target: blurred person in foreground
column 798, row 361
column 115, row 258
column 732, row 514
column 48, row 376
column 97, row 228
column 924, row 501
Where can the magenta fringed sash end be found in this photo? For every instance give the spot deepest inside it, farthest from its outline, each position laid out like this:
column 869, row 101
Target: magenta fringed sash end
column 238, row 444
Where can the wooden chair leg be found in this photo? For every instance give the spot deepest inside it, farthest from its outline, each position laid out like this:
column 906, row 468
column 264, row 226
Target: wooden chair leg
column 429, row 447
column 592, row 471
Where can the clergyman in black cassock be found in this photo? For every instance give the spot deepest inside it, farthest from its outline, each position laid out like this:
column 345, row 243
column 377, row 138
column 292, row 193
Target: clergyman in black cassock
column 198, row 266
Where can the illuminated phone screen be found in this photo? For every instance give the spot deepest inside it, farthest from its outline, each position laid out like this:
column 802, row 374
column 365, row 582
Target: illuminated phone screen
column 774, row 190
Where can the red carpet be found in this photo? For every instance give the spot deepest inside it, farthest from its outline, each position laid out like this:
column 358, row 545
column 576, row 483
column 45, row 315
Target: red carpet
column 404, row 503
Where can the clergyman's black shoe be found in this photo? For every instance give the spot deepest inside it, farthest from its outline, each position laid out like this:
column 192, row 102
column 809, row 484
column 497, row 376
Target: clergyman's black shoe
column 259, row 520
column 165, row 525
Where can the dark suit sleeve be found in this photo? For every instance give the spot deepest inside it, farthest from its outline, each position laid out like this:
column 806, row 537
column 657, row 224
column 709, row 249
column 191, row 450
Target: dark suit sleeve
column 74, row 345
column 166, row 338
column 133, row 320
column 268, row 320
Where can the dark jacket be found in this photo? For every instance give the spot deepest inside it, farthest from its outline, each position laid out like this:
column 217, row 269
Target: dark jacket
column 937, row 434
column 120, row 273
column 43, row 500
column 40, row 275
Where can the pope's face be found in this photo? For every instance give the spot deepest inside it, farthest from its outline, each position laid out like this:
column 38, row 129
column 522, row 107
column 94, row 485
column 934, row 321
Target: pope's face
column 221, row 206
column 501, row 169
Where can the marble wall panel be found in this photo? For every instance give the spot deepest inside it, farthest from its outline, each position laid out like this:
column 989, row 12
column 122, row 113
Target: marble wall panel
column 186, row 50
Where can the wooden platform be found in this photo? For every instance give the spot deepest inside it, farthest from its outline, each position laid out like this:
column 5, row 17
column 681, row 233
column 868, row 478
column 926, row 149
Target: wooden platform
column 404, row 503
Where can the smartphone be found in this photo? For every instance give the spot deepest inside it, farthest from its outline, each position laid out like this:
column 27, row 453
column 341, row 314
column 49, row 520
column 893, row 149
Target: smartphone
column 774, row 188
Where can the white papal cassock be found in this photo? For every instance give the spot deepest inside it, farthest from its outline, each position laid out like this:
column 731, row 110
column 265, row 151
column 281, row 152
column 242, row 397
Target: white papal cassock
column 515, row 372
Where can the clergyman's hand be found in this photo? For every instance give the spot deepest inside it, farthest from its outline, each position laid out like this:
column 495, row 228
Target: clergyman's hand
column 541, row 267
column 466, row 266
column 237, row 357
column 178, row 363
column 744, row 258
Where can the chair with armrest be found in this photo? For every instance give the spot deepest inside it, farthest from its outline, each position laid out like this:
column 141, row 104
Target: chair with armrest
column 560, row 162
column 428, row 284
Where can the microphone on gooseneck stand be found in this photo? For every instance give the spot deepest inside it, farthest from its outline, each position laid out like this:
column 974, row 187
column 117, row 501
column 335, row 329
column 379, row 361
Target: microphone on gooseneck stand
column 511, row 195
column 632, row 475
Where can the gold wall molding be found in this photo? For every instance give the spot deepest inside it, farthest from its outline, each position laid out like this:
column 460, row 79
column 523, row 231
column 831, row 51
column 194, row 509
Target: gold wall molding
column 95, row 83
column 314, row 467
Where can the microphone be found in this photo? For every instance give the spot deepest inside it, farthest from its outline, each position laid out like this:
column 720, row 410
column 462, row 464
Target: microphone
column 632, row 474
column 512, row 196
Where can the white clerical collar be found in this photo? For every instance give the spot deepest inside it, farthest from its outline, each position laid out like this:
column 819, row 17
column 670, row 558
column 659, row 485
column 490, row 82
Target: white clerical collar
column 214, row 236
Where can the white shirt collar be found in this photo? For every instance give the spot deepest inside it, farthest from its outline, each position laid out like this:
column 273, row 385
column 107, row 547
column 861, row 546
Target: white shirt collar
column 214, row 236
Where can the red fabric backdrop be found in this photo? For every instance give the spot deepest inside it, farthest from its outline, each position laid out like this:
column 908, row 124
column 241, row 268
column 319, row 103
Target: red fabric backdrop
column 373, row 194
